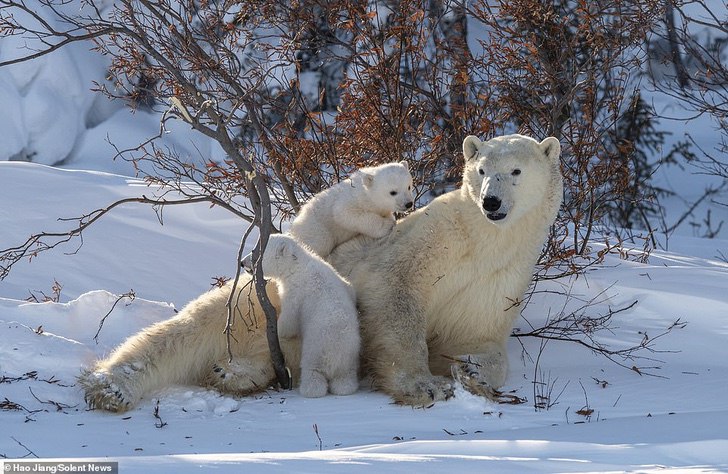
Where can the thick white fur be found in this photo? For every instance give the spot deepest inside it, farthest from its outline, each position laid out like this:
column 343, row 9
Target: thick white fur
column 363, row 204
column 188, row 348
column 318, row 306
column 446, row 282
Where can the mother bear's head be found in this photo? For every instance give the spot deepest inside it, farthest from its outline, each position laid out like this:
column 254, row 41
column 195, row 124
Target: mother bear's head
column 510, row 175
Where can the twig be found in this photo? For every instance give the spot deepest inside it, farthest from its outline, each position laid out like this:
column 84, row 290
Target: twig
column 59, row 406
column 706, row 194
column 585, row 411
column 231, row 305
column 159, row 423
column 32, row 375
column 315, row 430
column 30, row 453
column 35, row 244
column 578, row 327
column 131, row 295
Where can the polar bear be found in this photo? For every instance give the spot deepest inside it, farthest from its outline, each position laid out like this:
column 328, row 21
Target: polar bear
column 319, row 306
column 437, row 297
column 364, row 204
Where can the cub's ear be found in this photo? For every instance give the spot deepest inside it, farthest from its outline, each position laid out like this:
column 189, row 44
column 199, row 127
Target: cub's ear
column 551, row 148
column 367, row 178
column 286, row 249
column 471, row 145
column 279, row 248
column 405, row 164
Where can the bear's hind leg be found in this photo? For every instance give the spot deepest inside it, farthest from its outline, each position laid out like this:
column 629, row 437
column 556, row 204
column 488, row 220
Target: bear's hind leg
column 241, row 376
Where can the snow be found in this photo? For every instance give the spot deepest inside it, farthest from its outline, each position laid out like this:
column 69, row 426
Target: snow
column 35, row 196
column 48, row 98
column 672, row 420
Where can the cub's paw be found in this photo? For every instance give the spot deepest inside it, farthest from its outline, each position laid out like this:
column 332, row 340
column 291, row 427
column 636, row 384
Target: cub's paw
column 103, row 392
column 313, row 384
column 385, row 227
column 424, row 391
column 344, row 385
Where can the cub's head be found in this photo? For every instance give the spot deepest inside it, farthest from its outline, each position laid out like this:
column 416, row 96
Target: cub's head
column 389, row 187
column 508, row 176
column 282, row 256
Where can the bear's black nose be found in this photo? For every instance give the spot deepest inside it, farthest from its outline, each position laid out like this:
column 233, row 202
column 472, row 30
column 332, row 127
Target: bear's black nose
column 491, row 203
column 408, row 205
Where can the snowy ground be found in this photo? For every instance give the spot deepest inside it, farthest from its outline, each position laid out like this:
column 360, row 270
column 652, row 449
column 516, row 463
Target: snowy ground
column 674, row 420
column 604, row 418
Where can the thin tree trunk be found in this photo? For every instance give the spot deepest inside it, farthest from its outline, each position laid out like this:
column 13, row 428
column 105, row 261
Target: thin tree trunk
column 681, row 75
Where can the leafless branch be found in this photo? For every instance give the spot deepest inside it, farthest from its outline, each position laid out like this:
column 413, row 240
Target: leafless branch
column 44, row 241
column 30, row 453
column 129, row 295
column 578, row 327
column 58, row 405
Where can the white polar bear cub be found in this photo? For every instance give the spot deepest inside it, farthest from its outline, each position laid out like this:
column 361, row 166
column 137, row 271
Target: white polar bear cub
column 319, row 306
column 363, row 204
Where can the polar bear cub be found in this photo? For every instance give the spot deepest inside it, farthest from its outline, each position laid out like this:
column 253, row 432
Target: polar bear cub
column 363, row 204
column 319, row 306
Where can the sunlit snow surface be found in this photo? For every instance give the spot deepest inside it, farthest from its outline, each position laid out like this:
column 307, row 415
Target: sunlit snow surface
column 675, row 418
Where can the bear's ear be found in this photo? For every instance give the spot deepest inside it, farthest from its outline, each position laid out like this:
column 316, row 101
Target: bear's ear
column 405, row 164
column 279, row 247
column 471, row 145
column 285, row 249
column 551, row 148
column 367, row 179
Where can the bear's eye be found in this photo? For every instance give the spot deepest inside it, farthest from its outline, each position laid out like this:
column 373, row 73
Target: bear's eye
column 516, row 172
column 393, row 193
column 481, row 171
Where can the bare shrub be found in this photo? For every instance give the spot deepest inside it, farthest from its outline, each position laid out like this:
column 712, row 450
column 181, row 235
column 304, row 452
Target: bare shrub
column 298, row 94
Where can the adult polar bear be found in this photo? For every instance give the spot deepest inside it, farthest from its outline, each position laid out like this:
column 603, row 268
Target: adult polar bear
column 443, row 285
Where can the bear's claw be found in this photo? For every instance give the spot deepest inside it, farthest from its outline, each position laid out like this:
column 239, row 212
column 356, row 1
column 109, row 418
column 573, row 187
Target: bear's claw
column 101, row 392
column 425, row 391
column 466, row 374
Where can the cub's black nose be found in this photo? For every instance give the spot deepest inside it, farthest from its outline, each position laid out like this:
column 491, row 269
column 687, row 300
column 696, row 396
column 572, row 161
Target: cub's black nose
column 408, row 205
column 491, row 203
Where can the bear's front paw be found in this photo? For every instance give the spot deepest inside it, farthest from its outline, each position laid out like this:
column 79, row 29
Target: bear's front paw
column 481, row 374
column 424, row 391
column 385, row 228
column 469, row 375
